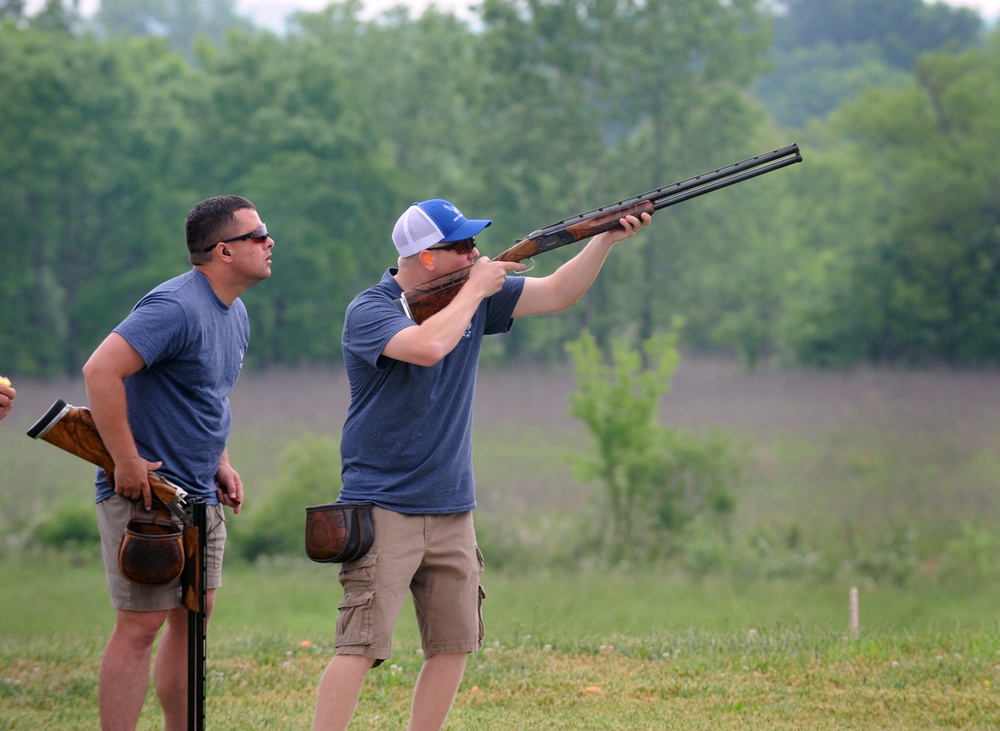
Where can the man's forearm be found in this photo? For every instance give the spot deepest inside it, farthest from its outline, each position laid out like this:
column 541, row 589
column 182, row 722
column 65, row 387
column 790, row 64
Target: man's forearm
column 565, row 286
column 574, row 278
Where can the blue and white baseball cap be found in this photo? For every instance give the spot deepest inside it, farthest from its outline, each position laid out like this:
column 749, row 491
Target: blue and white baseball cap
column 431, row 222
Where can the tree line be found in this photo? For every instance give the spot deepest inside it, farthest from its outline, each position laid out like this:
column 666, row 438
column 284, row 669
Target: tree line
column 884, row 246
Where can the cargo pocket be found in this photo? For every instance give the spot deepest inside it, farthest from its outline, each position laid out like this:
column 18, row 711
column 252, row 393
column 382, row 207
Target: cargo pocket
column 355, row 609
column 482, row 594
column 354, row 619
column 482, row 626
column 355, row 575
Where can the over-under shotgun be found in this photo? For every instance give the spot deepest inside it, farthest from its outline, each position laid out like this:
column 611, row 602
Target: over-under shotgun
column 429, row 298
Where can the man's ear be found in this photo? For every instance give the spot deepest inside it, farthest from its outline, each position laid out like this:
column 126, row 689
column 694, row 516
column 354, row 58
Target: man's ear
column 427, row 259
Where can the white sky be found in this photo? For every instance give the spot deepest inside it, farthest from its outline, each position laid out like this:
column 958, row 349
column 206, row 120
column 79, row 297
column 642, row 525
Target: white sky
column 271, row 13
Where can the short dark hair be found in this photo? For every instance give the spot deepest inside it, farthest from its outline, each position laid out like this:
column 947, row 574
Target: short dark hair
column 209, row 222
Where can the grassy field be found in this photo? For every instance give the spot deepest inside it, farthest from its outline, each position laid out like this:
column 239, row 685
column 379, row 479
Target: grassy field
column 627, row 651
column 841, row 459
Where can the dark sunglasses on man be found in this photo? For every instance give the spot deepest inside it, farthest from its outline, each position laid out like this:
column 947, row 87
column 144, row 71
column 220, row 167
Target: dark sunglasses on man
column 461, row 248
column 259, row 235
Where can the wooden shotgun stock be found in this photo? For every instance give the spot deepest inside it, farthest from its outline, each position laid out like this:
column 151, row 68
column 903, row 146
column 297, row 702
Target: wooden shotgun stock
column 71, row 428
column 431, row 297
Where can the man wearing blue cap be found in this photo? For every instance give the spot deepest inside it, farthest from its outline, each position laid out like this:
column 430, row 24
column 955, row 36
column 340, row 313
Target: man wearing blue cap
column 407, row 448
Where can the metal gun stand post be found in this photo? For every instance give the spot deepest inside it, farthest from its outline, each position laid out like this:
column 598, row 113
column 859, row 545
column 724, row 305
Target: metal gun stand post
column 197, row 635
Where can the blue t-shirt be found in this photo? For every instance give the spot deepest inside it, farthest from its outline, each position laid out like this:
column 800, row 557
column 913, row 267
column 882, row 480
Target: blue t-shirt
column 178, row 405
column 407, row 440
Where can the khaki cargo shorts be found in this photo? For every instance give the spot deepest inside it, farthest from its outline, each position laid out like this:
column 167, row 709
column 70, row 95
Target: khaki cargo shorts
column 434, row 557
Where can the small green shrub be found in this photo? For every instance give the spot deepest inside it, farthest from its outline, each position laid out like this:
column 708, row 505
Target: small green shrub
column 69, row 526
column 275, row 524
column 786, row 554
column 656, row 480
column 892, row 557
column 535, row 542
column 971, row 556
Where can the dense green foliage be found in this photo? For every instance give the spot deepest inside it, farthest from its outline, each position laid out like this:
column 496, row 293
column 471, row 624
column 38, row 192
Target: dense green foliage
column 825, row 52
column 905, row 258
column 180, row 22
column 879, row 247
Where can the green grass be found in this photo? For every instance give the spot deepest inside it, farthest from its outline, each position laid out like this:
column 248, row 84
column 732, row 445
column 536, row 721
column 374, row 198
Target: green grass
column 582, row 651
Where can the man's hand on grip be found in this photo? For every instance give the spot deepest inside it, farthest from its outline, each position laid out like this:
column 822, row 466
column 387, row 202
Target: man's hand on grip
column 132, row 479
column 487, row 276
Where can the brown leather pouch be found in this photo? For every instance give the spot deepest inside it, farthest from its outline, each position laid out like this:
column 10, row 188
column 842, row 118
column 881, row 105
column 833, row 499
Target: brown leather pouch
column 338, row 532
column 152, row 549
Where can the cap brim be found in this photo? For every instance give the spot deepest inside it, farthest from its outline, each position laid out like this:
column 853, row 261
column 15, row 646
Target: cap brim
column 466, row 231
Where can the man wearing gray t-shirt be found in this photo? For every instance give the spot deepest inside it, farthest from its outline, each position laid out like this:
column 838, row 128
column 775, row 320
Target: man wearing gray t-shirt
column 407, row 448
column 158, row 388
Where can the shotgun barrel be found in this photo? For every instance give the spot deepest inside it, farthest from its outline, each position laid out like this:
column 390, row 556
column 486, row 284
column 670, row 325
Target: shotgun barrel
column 669, row 195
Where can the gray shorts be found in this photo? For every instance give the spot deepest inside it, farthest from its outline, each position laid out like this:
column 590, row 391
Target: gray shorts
column 434, row 557
column 113, row 515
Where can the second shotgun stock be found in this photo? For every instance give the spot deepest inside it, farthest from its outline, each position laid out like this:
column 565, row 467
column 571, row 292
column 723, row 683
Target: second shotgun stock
column 72, row 429
column 427, row 299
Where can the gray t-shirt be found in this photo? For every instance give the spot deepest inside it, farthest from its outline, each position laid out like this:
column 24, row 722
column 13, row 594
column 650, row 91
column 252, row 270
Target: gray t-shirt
column 178, row 405
column 407, row 440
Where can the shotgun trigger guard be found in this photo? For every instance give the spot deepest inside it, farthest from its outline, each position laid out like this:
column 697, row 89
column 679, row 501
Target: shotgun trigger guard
column 522, row 273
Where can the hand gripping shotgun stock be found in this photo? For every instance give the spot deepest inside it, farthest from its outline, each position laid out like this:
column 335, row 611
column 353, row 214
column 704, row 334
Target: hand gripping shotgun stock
column 72, row 429
column 429, row 298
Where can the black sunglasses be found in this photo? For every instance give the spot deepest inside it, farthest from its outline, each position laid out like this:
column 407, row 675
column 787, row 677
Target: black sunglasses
column 459, row 247
column 259, row 235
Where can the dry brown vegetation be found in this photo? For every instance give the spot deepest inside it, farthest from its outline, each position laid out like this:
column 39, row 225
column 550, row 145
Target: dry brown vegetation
column 858, row 446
